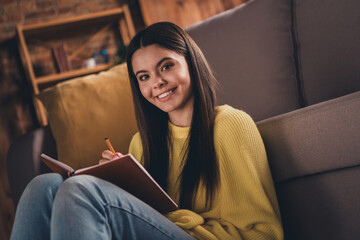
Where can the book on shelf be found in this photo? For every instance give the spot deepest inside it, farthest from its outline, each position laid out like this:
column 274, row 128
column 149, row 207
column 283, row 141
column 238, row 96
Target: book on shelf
column 125, row 172
column 61, row 58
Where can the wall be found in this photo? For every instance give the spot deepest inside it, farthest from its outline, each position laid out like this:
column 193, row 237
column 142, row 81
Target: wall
column 17, row 114
column 184, row 12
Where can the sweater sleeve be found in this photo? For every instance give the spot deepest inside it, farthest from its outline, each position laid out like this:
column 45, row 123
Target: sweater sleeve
column 246, row 205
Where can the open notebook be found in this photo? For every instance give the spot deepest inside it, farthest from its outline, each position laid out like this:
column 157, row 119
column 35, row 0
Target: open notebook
column 125, row 172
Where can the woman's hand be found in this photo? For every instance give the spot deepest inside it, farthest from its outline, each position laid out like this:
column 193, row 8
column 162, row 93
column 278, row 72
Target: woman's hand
column 107, row 156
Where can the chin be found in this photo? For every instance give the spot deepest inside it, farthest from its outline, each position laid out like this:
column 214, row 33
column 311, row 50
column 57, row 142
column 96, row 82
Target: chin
column 165, row 109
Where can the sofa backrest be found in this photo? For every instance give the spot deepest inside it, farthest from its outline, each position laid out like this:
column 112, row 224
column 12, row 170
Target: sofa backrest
column 327, row 36
column 275, row 56
column 250, row 49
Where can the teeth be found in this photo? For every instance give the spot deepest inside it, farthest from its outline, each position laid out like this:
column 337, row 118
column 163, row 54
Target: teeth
column 165, row 94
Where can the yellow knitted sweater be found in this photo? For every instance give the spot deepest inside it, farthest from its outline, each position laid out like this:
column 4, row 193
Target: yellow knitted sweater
column 245, row 206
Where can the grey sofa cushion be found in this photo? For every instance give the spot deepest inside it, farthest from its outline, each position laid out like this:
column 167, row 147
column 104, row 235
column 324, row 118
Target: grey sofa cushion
column 328, row 36
column 250, row 50
column 320, row 138
column 321, row 206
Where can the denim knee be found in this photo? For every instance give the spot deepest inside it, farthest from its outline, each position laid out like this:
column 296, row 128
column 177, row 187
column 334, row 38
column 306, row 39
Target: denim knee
column 34, row 208
column 80, row 194
column 88, row 190
column 44, row 185
column 77, row 184
column 82, row 187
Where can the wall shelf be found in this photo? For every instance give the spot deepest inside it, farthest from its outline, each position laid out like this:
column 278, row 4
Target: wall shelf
column 49, row 34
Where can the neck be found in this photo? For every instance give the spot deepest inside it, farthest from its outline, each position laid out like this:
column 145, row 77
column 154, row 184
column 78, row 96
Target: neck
column 182, row 118
column 181, row 121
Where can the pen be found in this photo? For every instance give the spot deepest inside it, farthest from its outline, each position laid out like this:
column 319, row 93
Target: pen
column 109, row 145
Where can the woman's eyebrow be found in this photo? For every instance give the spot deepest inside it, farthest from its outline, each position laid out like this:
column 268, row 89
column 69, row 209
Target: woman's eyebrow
column 141, row 71
column 161, row 61
column 157, row 65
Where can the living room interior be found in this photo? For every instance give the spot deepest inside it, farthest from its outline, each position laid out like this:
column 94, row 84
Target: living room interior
column 18, row 112
column 296, row 70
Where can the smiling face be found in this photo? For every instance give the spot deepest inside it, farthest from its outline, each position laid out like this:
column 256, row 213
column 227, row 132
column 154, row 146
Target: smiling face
column 164, row 80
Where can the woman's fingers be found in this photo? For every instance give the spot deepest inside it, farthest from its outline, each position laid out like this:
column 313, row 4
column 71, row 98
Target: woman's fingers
column 108, row 156
column 117, row 155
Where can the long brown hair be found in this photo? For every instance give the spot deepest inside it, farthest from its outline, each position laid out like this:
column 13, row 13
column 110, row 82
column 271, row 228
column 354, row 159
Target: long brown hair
column 200, row 163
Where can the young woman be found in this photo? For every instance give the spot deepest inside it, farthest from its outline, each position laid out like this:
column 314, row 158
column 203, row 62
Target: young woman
column 210, row 159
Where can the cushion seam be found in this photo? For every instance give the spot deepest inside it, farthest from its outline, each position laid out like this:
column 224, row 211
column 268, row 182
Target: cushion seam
column 316, row 173
column 298, row 73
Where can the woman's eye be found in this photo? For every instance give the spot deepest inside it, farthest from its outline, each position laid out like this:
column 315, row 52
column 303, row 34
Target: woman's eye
column 143, row 77
column 166, row 67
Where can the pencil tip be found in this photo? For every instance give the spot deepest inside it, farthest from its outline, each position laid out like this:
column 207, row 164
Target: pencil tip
column 106, row 138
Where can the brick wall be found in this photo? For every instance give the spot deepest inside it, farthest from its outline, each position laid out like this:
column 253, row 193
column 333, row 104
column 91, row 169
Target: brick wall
column 16, row 109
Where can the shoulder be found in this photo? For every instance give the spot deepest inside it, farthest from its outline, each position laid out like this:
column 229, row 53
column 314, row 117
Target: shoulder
column 231, row 118
column 236, row 136
column 234, row 125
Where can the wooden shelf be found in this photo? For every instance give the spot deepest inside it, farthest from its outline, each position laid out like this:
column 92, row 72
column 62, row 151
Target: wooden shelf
column 51, row 30
column 114, row 13
column 72, row 74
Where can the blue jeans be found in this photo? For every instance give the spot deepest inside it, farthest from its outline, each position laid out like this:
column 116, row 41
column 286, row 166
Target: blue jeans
column 85, row 207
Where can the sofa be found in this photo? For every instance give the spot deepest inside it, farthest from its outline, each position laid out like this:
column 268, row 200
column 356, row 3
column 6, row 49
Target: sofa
column 294, row 66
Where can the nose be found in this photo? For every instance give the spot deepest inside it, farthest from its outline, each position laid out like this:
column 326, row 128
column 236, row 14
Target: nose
column 159, row 82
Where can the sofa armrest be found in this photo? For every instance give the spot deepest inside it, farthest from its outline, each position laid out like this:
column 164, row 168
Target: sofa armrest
column 314, row 158
column 23, row 162
column 315, row 139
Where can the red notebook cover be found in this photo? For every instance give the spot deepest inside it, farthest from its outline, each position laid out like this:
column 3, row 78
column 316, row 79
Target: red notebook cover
column 125, row 172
